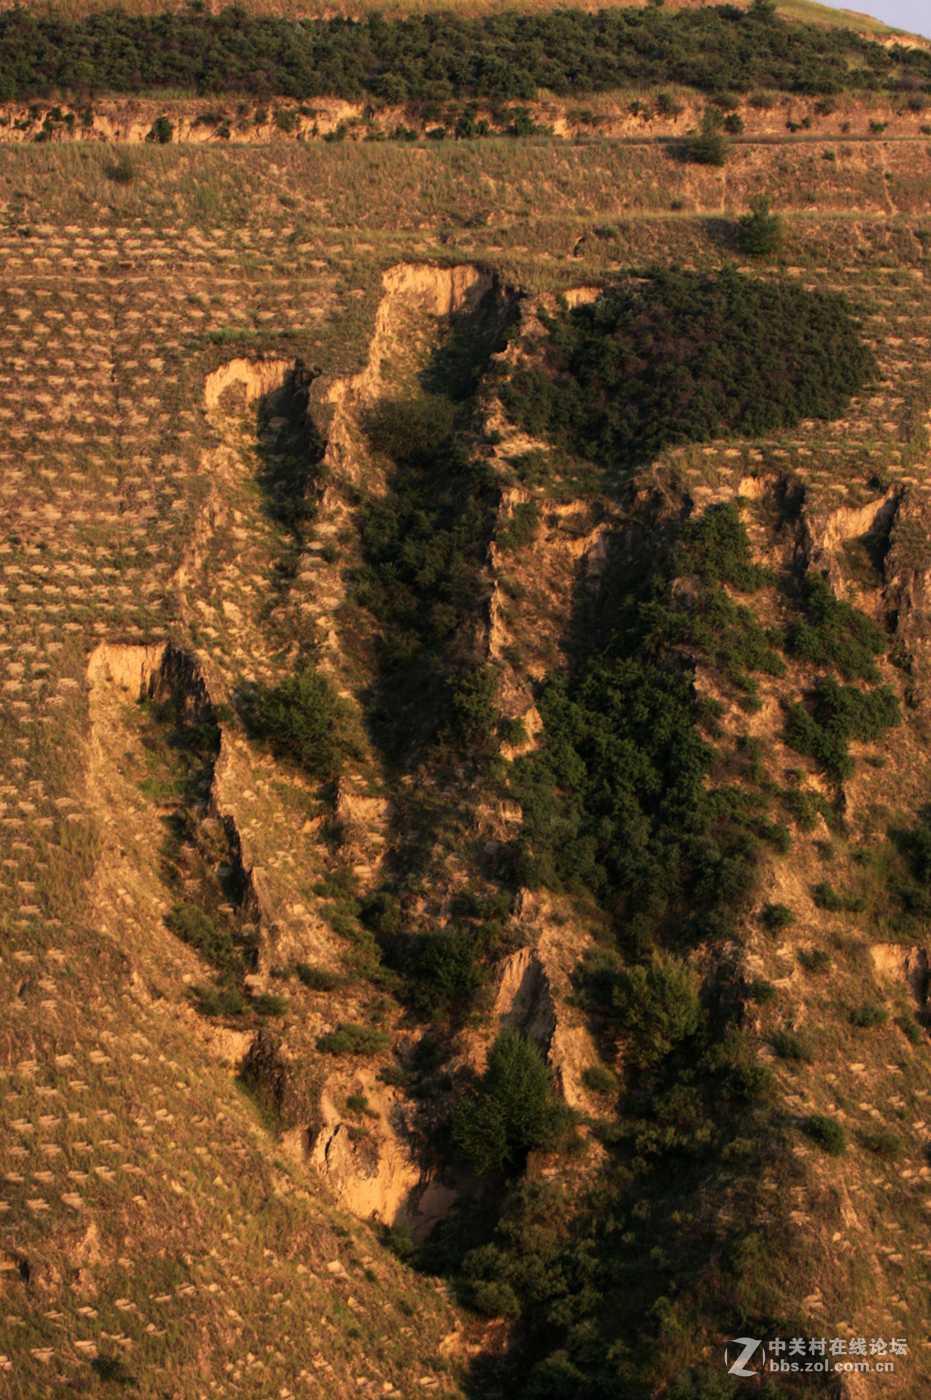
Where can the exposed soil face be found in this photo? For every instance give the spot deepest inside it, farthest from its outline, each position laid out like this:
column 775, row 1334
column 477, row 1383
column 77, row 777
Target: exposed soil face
column 114, row 122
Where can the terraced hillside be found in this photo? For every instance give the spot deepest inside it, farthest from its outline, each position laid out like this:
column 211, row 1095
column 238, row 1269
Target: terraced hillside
column 387, row 722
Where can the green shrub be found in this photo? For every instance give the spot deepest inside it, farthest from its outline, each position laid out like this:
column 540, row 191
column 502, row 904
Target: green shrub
column 397, row 1238
column 511, row 1109
column 868, row 1016
column 840, row 714
column 412, row 431
column 357, row 1103
column 200, row 932
column 778, row 916
column 689, row 357
column 762, row 991
column 122, row 171
column 826, row 897
column 708, row 146
column 716, row 547
column 162, row 131
column 910, row 1029
column 761, row 231
column 835, row 634
column 268, row 1004
column 657, row 1007
column 351, row 1039
column 473, row 711
column 828, row 1134
column 304, row 720
column 753, row 1082
column 882, row 1141
column 286, row 119
column 599, row 1079
column 492, row 1298
column 219, row 1001
column 814, row 960
column 446, row 969
column 522, row 526
column 318, row 979
column 791, row 1045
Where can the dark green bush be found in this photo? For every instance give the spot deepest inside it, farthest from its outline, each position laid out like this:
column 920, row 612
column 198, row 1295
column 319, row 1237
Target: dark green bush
column 446, row 969
column 761, row 231
column 198, row 930
column 778, row 916
column 883, row 1141
column 910, row 1029
column 708, row 146
column 318, row 979
column 839, row 714
column 657, row 1007
column 762, row 991
column 268, row 1004
column 304, row 720
column 791, row 1045
column 493, row 1298
column 521, row 527
column 834, row 634
column 599, row 1079
column 219, row 1001
column 162, row 131
column 473, row 711
column 412, row 431
column 814, row 960
column 826, row 897
column 511, row 1109
column 689, row 357
column 503, row 57
column 716, row 547
column 869, row 1016
column 122, row 171
column 827, row 1133
column 351, row 1039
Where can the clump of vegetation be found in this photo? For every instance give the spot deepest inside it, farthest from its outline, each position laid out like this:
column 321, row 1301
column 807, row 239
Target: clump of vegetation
column 318, row 979
column 883, row 1141
column 832, row 633
column 709, row 144
column 162, row 131
column 839, row 714
column 778, row 916
column 304, row 720
column 503, row 57
column 424, row 544
column 792, row 1045
column 762, row 232
column 815, row 960
column 657, row 1007
column 121, row 171
column 599, row 1079
column 511, row 1109
column 199, row 931
column 827, row 1133
column 869, row 1016
column 351, row 1039
column 826, row 897
column 686, row 357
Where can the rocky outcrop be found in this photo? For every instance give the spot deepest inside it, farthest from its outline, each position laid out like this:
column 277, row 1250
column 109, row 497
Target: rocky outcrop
column 899, row 962
column 255, row 377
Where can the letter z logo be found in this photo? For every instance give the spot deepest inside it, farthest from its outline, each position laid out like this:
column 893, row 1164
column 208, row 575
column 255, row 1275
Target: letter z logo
column 739, row 1367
